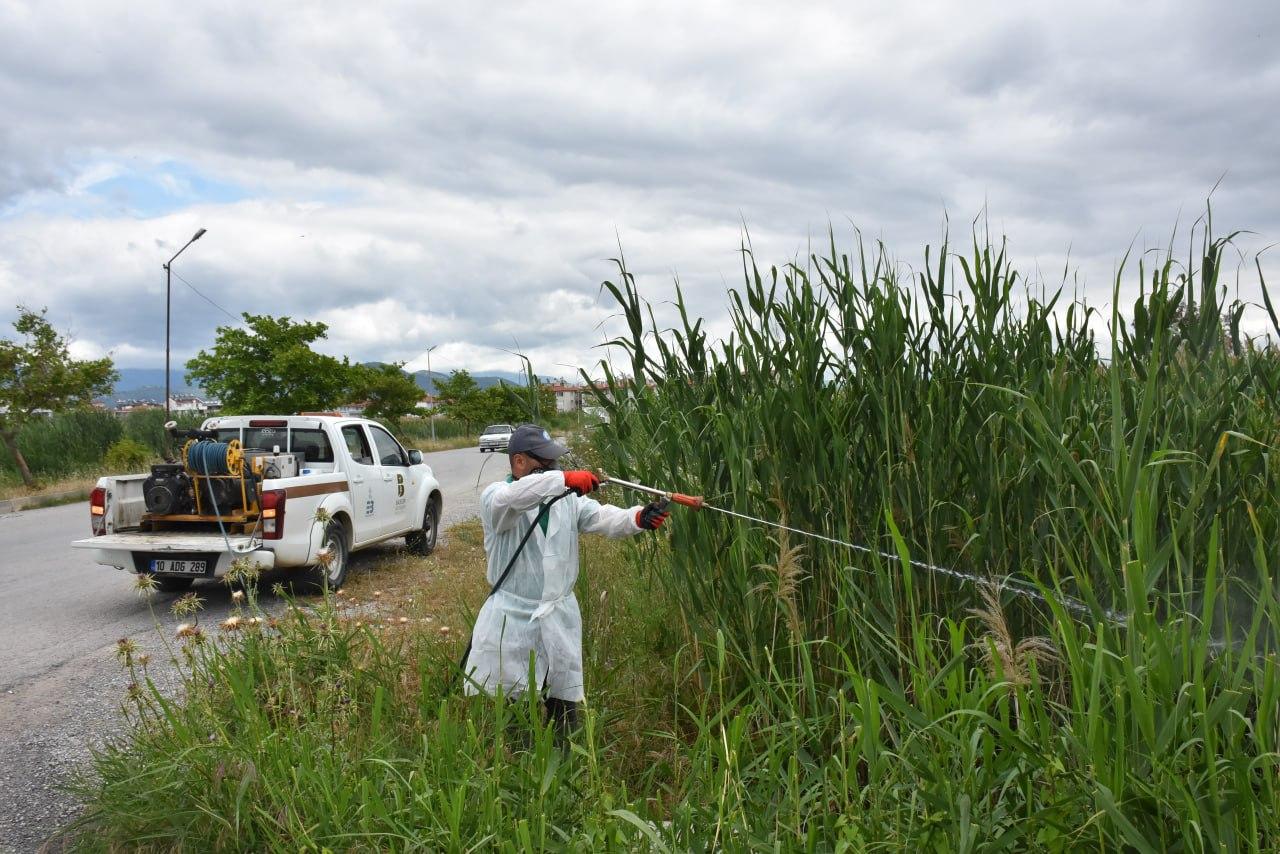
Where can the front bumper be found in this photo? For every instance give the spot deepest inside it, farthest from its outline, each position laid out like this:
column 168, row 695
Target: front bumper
column 123, row 550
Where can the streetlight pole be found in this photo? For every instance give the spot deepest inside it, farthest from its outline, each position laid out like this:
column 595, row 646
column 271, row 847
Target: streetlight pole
column 168, row 299
column 432, row 380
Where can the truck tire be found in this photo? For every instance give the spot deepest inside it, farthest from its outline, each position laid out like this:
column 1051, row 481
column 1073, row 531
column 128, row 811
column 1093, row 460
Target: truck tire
column 423, row 541
column 317, row 578
column 174, row 585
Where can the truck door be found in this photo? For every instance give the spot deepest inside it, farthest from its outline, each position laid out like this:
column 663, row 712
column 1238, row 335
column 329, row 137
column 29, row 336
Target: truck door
column 398, row 511
column 365, row 477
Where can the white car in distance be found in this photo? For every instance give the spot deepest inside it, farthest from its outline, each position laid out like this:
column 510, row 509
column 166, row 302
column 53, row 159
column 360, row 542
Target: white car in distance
column 495, row 437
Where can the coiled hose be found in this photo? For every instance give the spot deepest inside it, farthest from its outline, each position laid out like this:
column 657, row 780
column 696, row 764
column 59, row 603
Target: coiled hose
column 211, row 459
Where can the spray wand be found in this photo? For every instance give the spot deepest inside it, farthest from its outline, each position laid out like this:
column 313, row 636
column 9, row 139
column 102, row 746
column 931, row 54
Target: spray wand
column 696, row 502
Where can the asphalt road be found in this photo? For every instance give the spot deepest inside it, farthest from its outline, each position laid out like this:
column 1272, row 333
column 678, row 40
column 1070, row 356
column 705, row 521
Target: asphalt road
column 60, row 617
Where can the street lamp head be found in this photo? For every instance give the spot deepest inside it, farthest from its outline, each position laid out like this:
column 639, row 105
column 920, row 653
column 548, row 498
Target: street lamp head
column 199, row 234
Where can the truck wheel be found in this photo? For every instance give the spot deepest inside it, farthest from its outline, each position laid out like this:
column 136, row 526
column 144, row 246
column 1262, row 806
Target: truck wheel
column 318, row 577
column 173, row 585
column 423, row 542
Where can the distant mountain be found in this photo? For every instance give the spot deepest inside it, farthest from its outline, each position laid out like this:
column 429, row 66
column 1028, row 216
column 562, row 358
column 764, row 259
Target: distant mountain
column 427, row 382
column 147, row 384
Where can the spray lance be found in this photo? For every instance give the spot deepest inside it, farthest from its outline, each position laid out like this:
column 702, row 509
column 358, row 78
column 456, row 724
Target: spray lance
column 697, row 502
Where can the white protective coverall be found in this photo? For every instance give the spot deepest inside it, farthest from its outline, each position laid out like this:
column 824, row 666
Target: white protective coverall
column 535, row 610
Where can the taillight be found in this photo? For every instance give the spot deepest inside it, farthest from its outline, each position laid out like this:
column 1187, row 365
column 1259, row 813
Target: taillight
column 273, row 514
column 98, row 511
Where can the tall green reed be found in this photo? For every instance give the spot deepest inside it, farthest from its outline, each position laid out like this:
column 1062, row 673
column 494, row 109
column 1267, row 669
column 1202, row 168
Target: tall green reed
column 967, row 417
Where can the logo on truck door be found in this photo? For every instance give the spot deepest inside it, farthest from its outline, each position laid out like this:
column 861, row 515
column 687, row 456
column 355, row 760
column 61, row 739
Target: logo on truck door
column 400, row 483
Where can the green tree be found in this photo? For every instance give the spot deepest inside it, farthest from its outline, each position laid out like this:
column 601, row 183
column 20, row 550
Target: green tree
column 37, row 373
column 271, row 368
column 460, row 399
column 388, row 392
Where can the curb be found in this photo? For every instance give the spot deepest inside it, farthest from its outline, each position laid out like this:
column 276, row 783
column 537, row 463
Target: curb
column 13, row 505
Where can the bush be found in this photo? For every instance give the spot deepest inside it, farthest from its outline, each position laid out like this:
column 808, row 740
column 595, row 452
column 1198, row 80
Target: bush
column 66, row 443
column 126, row 456
column 147, row 427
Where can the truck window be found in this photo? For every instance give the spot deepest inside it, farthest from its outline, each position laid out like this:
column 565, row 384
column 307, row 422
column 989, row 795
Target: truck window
column 265, row 438
column 314, row 443
column 389, row 451
column 357, row 444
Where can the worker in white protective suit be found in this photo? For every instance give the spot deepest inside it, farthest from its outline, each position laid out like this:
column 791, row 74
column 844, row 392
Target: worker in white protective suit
column 534, row 612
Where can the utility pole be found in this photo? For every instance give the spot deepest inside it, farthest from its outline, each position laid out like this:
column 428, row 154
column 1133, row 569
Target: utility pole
column 168, row 299
column 432, row 380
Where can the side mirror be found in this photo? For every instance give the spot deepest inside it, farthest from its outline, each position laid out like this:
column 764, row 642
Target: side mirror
column 415, row 458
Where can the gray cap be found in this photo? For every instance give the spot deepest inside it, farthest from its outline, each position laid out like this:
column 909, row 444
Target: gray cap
column 535, row 441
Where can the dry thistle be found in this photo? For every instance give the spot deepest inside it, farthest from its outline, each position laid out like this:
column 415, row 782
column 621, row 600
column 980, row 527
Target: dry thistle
column 143, row 660
column 321, row 516
column 187, row 605
column 242, row 571
column 325, row 557
column 125, row 648
column 187, row 630
column 145, row 584
column 231, row 624
column 237, row 596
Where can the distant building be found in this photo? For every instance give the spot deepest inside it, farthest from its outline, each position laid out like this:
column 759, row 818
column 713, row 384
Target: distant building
column 568, row 397
column 124, row 407
column 428, row 402
column 353, row 410
column 187, row 404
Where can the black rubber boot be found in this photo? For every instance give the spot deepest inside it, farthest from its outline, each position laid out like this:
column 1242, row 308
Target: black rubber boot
column 563, row 715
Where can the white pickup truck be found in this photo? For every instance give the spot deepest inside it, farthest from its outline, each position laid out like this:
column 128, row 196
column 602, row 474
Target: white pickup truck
column 252, row 487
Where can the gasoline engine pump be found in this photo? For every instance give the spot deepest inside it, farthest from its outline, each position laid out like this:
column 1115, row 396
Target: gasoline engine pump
column 211, row 480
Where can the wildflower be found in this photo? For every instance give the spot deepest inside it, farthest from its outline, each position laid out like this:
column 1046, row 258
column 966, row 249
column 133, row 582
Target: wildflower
column 277, row 589
column 145, row 584
column 187, row 605
column 444, row 630
column 187, row 630
column 404, row 620
column 341, row 591
column 231, row 624
column 325, row 557
column 242, row 571
column 143, row 660
column 237, row 596
column 125, row 649
column 321, row 516
column 377, row 593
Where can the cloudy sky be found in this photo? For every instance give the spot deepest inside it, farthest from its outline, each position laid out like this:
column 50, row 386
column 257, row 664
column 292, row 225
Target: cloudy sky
column 419, row 174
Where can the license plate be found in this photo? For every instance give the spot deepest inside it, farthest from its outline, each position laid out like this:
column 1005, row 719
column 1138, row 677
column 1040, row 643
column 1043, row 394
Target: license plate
column 180, row 567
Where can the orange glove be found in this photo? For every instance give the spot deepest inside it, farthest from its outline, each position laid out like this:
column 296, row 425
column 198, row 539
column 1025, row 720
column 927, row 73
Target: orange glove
column 581, row 481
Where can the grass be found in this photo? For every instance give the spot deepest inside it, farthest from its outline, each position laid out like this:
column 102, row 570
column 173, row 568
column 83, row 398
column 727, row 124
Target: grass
column 80, row 484
column 754, row 691
column 276, row 721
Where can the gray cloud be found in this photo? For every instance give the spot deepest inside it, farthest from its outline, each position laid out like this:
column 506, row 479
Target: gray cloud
column 448, row 167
